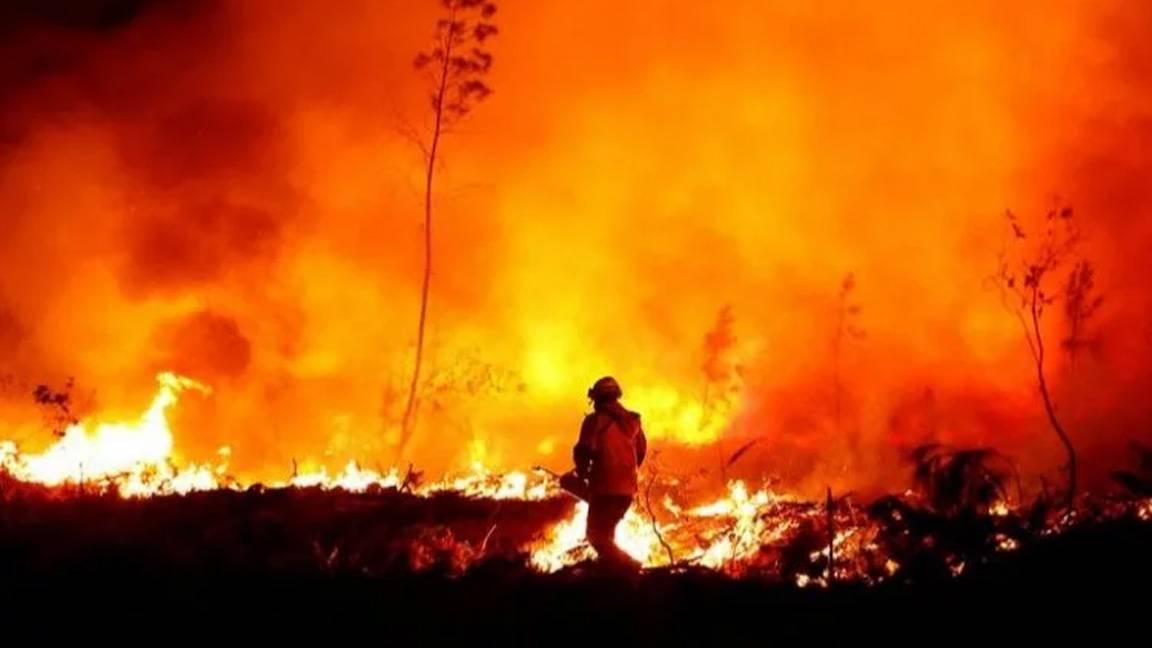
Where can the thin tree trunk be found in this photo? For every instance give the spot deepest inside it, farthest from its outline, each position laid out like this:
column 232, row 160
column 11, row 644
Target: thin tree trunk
column 429, row 175
column 652, row 520
column 1049, row 408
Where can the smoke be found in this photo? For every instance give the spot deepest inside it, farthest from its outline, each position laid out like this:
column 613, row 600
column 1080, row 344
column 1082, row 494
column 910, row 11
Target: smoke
column 232, row 190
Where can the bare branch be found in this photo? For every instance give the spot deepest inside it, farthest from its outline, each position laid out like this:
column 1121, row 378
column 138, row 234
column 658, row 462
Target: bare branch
column 652, row 518
column 1025, row 291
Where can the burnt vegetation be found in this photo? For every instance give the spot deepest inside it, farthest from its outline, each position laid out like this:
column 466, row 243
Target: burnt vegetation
column 951, row 541
column 399, row 556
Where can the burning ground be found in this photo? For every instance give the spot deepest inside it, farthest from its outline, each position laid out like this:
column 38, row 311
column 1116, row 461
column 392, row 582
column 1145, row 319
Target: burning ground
column 962, row 515
column 107, row 509
column 453, row 560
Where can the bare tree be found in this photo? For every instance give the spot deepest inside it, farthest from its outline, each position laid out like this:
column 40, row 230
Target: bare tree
column 455, row 65
column 1025, row 277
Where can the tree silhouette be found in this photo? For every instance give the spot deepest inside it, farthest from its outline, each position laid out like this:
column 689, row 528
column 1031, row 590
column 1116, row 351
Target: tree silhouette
column 58, row 406
column 455, row 65
column 1026, row 275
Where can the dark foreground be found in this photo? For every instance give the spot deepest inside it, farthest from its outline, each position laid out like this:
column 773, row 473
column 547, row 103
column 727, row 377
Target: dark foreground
column 74, row 567
column 1093, row 586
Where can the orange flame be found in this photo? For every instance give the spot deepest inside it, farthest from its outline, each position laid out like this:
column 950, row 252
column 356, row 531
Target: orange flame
column 135, row 455
column 136, row 459
column 734, row 527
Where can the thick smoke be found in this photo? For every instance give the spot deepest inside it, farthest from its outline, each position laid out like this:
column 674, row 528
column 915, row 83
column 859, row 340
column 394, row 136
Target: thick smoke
column 232, row 190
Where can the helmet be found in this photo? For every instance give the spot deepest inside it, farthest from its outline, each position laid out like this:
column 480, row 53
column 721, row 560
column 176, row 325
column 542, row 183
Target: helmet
column 605, row 389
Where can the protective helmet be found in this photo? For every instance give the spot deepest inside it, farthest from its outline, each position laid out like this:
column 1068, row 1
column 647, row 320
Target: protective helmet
column 605, row 389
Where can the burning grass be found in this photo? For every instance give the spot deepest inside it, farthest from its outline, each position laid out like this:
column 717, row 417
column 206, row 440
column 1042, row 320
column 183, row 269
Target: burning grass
column 383, row 531
column 446, row 565
column 460, row 559
column 110, row 492
column 291, row 530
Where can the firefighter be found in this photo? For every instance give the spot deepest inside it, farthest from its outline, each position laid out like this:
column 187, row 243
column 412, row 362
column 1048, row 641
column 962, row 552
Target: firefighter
column 611, row 448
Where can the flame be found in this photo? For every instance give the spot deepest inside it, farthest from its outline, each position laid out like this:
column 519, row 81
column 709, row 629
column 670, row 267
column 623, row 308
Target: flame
column 1005, row 543
column 136, row 455
column 251, row 219
column 352, row 478
column 137, row 459
column 714, row 535
column 566, row 544
column 271, row 235
column 482, row 483
column 479, row 483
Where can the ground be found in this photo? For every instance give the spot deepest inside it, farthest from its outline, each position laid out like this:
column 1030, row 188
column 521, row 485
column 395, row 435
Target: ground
column 266, row 561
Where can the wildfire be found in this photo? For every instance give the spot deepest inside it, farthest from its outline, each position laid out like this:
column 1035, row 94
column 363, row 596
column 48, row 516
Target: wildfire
column 482, row 483
column 1004, row 543
column 720, row 535
column 744, row 531
column 566, row 544
column 136, row 455
column 136, row 459
column 353, row 479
